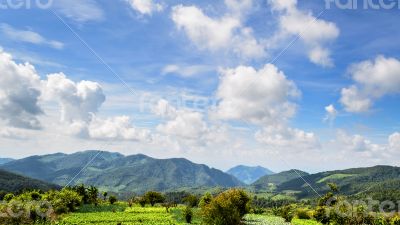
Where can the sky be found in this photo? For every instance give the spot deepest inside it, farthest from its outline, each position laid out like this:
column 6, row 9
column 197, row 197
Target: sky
column 311, row 85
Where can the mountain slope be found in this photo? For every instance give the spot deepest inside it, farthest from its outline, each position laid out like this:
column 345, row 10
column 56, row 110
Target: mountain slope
column 5, row 160
column 115, row 172
column 10, row 182
column 270, row 182
column 350, row 181
column 249, row 174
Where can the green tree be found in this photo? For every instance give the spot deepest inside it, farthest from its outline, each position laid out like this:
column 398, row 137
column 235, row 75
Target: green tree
column 191, row 200
column 93, row 194
column 112, row 199
column 153, row 197
column 188, row 213
column 228, row 207
column 105, row 195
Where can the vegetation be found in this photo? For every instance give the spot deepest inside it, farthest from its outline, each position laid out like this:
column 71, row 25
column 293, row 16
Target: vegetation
column 10, row 182
column 227, row 208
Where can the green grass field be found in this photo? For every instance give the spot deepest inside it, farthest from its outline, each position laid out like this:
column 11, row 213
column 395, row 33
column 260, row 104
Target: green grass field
column 122, row 214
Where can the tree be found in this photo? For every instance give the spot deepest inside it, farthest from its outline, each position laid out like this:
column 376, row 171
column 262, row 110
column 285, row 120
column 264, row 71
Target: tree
column 188, row 213
column 191, row 200
column 112, row 199
column 153, row 197
column 81, row 190
column 105, row 195
column 93, row 193
column 228, row 207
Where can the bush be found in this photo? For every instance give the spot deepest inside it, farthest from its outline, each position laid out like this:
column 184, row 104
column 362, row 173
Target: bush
column 112, row 199
column 395, row 220
column 142, row 201
column 228, row 207
column 303, row 214
column 8, row 197
column 64, row 201
column 188, row 213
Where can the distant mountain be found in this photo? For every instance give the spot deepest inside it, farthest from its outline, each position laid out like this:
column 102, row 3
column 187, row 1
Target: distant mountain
column 116, row 172
column 10, row 182
column 248, row 174
column 350, row 181
column 5, row 160
column 271, row 182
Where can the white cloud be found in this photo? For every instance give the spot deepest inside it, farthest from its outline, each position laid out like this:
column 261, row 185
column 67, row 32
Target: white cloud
column 356, row 143
column 28, row 36
column 394, row 143
column 232, row 36
column 373, row 80
column 314, row 32
column 262, row 96
column 289, row 138
column 19, row 93
column 145, row 7
column 85, row 11
column 186, row 71
column 331, row 113
column 78, row 101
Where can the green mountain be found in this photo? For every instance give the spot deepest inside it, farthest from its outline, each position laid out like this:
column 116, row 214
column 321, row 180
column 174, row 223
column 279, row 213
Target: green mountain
column 248, row 174
column 272, row 181
column 119, row 173
column 356, row 181
column 10, row 182
column 5, row 160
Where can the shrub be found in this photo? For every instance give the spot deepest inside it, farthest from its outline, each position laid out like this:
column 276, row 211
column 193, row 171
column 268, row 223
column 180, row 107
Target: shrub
column 188, row 213
column 395, row 220
column 228, row 207
column 142, row 201
column 112, row 199
column 8, row 197
column 63, row 201
column 303, row 214
column 153, row 197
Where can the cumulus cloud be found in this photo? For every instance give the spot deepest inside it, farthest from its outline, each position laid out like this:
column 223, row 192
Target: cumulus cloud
column 373, row 80
column 331, row 113
column 28, row 36
column 19, row 93
column 85, row 11
column 283, row 136
column 259, row 96
column 78, row 101
column 145, row 7
column 187, row 124
column 356, row 143
column 315, row 33
column 232, row 36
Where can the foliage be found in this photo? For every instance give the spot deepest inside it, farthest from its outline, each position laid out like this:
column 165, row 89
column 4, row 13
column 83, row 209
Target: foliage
column 188, row 213
column 191, row 200
column 304, row 222
column 228, row 207
column 395, row 220
column 154, row 197
column 112, row 199
column 63, row 201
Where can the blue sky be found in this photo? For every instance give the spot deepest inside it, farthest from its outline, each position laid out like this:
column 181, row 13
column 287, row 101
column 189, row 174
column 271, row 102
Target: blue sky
column 166, row 51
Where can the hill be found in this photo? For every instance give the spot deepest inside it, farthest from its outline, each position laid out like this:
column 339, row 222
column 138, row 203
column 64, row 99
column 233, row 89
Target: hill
column 119, row 173
column 271, row 182
column 10, row 182
column 350, row 181
column 5, row 160
column 248, row 174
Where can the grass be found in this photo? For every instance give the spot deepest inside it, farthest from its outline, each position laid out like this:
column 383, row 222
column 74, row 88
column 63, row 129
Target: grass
column 252, row 219
column 305, row 222
column 334, row 177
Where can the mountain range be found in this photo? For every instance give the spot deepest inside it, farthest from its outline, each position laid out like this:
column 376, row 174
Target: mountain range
column 5, row 160
column 11, row 182
column 119, row 173
column 248, row 174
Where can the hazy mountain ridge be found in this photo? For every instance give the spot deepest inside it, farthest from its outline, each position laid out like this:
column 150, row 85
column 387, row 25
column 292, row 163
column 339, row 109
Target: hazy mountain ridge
column 5, row 160
column 116, row 172
column 249, row 174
